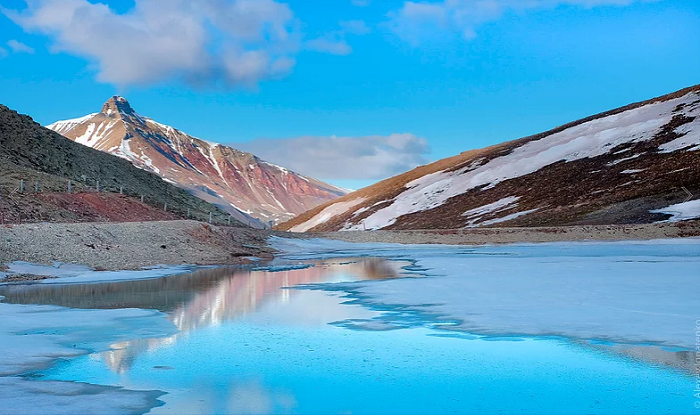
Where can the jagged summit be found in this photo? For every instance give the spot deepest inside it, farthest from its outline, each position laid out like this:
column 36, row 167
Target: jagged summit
column 117, row 105
column 235, row 181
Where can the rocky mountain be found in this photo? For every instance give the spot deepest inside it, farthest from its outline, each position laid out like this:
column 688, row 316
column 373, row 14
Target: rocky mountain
column 32, row 153
column 635, row 164
column 236, row 181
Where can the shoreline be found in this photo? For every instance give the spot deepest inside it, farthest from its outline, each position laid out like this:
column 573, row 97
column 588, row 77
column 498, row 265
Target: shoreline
column 135, row 245
column 515, row 235
column 132, row 245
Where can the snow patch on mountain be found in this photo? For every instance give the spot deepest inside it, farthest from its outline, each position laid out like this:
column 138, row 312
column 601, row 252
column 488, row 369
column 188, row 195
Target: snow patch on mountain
column 67, row 125
column 680, row 212
column 264, row 190
column 329, row 212
column 586, row 140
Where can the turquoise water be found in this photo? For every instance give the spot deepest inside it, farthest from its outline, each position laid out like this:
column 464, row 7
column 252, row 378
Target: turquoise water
column 250, row 344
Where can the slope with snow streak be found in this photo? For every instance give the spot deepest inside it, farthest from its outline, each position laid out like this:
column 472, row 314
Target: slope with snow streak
column 236, row 181
column 588, row 171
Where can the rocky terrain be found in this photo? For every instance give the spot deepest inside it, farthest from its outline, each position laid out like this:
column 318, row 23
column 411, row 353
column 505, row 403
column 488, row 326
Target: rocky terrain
column 236, row 181
column 515, row 235
column 632, row 165
column 30, row 153
column 115, row 246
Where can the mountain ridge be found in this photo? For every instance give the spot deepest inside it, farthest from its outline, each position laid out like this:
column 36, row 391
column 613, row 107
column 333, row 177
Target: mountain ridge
column 30, row 152
column 236, row 181
column 507, row 184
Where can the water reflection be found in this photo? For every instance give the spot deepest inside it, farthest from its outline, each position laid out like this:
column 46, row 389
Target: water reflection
column 196, row 300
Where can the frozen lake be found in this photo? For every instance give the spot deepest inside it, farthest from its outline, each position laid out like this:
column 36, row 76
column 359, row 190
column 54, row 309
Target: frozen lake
column 334, row 327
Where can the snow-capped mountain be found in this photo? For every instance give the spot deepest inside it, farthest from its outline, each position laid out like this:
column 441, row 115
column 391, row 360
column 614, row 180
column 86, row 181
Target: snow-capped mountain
column 635, row 164
column 233, row 180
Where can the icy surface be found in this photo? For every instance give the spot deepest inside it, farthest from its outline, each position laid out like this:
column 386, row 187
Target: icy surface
column 53, row 332
column 24, row 396
column 71, row 273
column 33, row 337
column 631, row 292
column 679, row 212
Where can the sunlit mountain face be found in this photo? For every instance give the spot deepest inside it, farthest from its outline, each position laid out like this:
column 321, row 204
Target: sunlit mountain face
column 251, row 189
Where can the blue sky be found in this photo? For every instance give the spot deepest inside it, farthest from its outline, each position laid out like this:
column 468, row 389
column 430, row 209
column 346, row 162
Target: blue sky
column 371, row 87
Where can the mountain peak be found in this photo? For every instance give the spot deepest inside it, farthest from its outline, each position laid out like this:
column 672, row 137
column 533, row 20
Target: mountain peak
column 117, row 105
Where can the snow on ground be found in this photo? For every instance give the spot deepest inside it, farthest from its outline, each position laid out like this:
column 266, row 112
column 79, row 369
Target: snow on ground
column 590, row 139
column 327, row 213
column 63, row 126
column 506, row 218
column 680, row 212
column 72, row 273
column 624, row 292
column 499, row 205
column 33, row 336
column 690, row 134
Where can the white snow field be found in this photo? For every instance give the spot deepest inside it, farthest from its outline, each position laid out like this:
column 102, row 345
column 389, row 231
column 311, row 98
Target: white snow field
column 623, row 292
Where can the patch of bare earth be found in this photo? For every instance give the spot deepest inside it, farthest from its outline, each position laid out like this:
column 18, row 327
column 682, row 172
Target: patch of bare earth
column 131, row 245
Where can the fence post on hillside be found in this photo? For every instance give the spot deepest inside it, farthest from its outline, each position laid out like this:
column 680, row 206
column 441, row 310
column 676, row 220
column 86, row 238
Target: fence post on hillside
column 121, row 190
column 21, row 185
column 97, row 185
column 229, row 220
column 142, row 199
column 70, row 187
column 209, row 217
column 165, row 207
column 36, row 187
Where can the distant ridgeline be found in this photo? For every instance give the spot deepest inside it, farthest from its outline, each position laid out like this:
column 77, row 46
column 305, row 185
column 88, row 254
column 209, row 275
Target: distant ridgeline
column 43, row 160
column 635, row 164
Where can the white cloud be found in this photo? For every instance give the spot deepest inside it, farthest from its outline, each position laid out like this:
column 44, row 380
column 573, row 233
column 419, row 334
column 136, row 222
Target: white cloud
column 19, row 47
column 416, row 21
column 343, row 158
column 237, row 42
column 334, row 42
column 329, row 45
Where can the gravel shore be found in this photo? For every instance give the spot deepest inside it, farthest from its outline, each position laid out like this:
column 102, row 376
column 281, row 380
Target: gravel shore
column 475, row 236
column 131, row 245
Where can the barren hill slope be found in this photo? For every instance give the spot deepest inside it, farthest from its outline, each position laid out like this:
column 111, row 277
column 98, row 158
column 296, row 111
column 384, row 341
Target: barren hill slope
column 628, row 165
column 32, row 153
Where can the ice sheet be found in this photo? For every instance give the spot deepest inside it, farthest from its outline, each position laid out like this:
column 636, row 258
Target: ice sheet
column 71, row 273
column 625, row 292
column 33, row 397
column 33, row 337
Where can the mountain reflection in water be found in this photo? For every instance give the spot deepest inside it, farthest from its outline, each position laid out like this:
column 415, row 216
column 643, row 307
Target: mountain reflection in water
column 195, row 300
